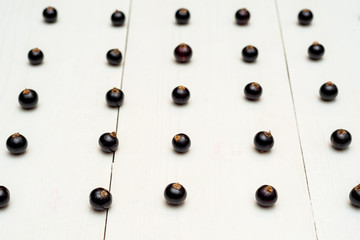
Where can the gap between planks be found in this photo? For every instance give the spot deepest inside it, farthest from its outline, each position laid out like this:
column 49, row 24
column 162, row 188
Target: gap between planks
column 118, row 110
column 294, row 110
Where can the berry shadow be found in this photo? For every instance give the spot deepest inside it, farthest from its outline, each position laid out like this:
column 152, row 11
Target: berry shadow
column 35, row 65
column 248, row 62
column 349, row 204
column 251, row 100
column 312, row 59
column 241, row 25
column 326, row 101
column 271, row 208
column 182, row 63
column 180, row 24
column 337, row 149
column 99, row 212
column 5, row 207
column 27, row 109
column 173, row 205
column 179, row 105
column 113, row 65
column 180, row 153
column 17, row 155
column 261, row 152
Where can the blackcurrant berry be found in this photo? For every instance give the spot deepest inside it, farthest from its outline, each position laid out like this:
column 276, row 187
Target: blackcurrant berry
column 242, row 16
column 250, row 53
column 109, row 142
column 263, row 141
column 181, row 142
column 180, row 95
column 266, row 196
column 182, row 16
column 16, row 143
column 316, row 51
column 118, row 18
column 114, row 56
column 340, row 139
column 175, row 194
column 305, row 17
column 28, row 99
column 355, row 196
column 35, row 56
column 114, row 97
column 183, row 53
column 328, row 91
column 4, row 196
column 253, row 91
column 50, row 14
column 100, row 199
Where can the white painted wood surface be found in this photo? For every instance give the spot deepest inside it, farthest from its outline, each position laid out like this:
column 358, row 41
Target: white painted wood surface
column 332, row 174
column 50, row 184
column 222, row 170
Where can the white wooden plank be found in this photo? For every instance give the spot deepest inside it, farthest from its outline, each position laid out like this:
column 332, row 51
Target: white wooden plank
column 331, row 174
column 51, row 182
column 222, row 170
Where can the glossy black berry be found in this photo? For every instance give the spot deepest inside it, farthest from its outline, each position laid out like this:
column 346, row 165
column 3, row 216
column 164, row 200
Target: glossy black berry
column 328, row 91
column 181, row 142
column 242, row 16
column 50, row 14
column 180, row 95
column 253, row 91
column 316, row 51
column 266, row 196
column 183, row 53
column 182, row 16
column 35, row 56
column 305, row 17
column 175, row 194
column 100, row 199
column 118, row 18
column 114, row 56
column 16, row 143
column 114, row 97
column 263, row 141
column 250, row 53
column 4, row 196
column 340, row 139
column 355, row 196
column 28, row 98
column 109, row 142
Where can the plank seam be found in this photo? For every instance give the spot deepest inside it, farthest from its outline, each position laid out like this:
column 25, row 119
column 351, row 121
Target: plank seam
column 118, row 110
column 294, row 110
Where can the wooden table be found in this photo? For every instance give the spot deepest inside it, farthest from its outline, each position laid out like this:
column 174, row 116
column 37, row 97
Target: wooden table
column 51, row 182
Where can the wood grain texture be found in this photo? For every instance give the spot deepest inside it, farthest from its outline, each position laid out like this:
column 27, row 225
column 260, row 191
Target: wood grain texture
column 332, row 174
column 51, row 182
column 222, row 170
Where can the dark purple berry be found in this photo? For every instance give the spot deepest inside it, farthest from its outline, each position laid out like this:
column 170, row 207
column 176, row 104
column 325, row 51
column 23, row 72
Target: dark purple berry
column 180, row 95
column 181, row 143
column 109, row 142
column 316, row 51
column 266, row 196
column 182, row 16
column 263, row 141
column 175, row 194
column 340, row 139
column 183, row 53
column 242, row 16
column 250, row 53
column 305, row 17
column 100, row 199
